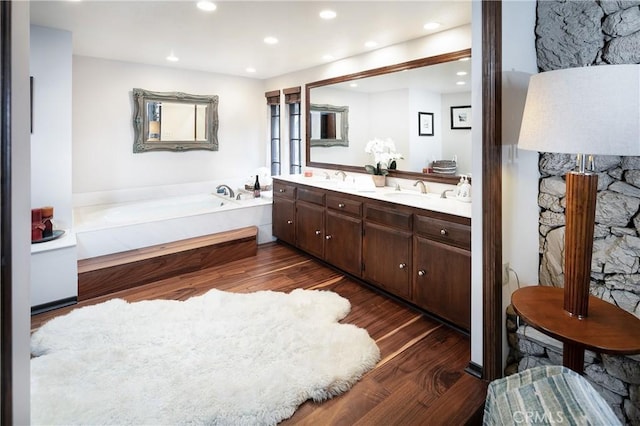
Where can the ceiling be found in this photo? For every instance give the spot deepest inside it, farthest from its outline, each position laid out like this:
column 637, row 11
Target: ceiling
column 230, row 39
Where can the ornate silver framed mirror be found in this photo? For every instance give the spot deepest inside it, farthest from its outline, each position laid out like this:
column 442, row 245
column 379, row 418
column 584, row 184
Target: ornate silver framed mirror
column 174, row 121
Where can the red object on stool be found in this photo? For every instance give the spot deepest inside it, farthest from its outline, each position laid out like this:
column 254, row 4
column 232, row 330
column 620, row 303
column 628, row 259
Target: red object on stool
column 36, row 225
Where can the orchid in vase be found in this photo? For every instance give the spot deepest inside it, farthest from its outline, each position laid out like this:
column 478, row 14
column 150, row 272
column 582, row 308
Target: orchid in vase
column 384, row 155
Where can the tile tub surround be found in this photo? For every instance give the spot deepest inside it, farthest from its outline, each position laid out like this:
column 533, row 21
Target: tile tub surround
column 115, row 227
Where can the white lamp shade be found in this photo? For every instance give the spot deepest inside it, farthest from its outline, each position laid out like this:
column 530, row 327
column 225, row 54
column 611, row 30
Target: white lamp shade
column 588, row 110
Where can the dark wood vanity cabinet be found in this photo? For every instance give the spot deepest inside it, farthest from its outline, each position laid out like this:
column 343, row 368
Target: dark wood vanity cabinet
column 310, row 233
column 424, row 258
column 442, row 269
column 386, row 249
column 284, row 212
column 343, row 234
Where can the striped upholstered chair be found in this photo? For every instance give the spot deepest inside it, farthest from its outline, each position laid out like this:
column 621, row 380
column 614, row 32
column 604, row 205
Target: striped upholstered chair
column 548, row 395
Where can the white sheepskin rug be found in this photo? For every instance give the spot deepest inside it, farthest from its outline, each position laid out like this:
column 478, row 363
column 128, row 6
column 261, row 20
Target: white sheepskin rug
column 220, row 358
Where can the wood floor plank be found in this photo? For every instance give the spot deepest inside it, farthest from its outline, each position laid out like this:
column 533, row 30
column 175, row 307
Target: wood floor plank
column 405, row 410
column 421, row 378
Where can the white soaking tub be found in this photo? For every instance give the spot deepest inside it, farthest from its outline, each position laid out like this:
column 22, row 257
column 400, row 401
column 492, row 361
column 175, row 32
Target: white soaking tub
column 112, row 228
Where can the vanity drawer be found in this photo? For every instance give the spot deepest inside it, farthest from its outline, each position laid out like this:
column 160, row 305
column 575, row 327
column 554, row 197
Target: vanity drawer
column 448, row 232
column 344, row 205
column 391, row 217
column 311, row 196
column 284, row 190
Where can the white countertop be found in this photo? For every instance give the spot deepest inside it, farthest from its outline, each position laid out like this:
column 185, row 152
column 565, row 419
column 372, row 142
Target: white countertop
column 68, row 239
column 362, row 185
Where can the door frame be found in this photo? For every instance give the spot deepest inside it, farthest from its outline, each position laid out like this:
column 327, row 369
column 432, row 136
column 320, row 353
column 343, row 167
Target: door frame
column 492, row 189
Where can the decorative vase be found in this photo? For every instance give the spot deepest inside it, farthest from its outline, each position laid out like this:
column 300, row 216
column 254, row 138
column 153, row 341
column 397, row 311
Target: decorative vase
column 379, row 180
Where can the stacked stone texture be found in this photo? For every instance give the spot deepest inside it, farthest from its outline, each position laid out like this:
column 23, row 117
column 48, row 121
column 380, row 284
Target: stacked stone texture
column 574, row 34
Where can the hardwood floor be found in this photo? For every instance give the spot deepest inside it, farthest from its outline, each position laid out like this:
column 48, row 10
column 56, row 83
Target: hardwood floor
column 420, row 378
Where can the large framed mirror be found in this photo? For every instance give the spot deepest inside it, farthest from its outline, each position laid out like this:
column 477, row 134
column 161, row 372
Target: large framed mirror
column 386, row 103
column 174, row 121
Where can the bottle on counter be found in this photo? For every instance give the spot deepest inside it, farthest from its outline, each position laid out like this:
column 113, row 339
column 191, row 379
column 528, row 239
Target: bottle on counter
column 256, row 188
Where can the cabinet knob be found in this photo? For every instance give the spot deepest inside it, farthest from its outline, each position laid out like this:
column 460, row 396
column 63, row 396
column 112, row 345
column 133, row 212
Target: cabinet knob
column 402, row 265
column 328, row 237
column 281, row 190
column 421, row 273
column 318, row 232
column 289, row 222
column 341, row 205
column 443, row 231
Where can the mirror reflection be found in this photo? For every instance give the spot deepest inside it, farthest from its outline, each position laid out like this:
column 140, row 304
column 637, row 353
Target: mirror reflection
column 388, row 103
column 329, row 125
column 174, row 121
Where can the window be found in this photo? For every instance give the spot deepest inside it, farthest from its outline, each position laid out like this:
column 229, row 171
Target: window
column 292, row 99
column 273, row 100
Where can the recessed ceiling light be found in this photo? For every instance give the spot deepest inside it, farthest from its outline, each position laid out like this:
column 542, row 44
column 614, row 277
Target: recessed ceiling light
column 271, row 40
column 251, row 69
column 431, row 25
column 172, row 57
column 353, row 85
column 370, row 44
column 206, row 5
column 461, row 73
column 328, row 58
column 461, row 83
column 465, row 59
column 328, row 14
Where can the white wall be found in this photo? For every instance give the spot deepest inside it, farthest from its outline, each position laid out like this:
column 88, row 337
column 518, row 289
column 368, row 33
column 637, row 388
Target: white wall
column 103, row 157
column 456, row 142
column 20, row 209
column 476, row 190
column 51, row 138
column 424, row 149
column 519, row 168
column 387, row 119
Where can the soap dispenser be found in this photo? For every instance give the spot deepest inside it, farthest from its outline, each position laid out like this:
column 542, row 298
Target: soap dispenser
column 464, row 190
column 459, row 186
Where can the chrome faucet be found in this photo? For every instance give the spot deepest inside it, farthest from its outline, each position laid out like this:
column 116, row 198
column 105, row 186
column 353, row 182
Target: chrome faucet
column 230, row 192
column 326, row 175
column 340, row 172
column 444, row 193
column 423, row 187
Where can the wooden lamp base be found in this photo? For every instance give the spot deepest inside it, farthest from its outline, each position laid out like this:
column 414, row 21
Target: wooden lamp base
column 578, row 241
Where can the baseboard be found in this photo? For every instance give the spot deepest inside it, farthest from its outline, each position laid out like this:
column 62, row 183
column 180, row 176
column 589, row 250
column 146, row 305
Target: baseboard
column 56, row 304
column 474, row 369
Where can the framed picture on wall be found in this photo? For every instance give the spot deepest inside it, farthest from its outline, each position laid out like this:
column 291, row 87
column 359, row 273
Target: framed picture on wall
column 425, row 124
column 461, row 117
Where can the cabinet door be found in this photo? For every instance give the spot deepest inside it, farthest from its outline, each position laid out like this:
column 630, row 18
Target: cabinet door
column 310, row 228
column 343, row 242
column 387, row 258
column 283, row 224
column 442, row 283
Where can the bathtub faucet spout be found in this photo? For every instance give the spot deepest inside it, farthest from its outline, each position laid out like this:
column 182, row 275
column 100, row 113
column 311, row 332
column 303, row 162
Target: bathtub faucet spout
column 227, row 190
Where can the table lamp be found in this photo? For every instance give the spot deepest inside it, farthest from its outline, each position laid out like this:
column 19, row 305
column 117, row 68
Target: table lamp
column 586, row 111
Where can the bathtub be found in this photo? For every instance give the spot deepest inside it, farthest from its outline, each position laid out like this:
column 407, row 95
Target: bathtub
column 113, row 228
